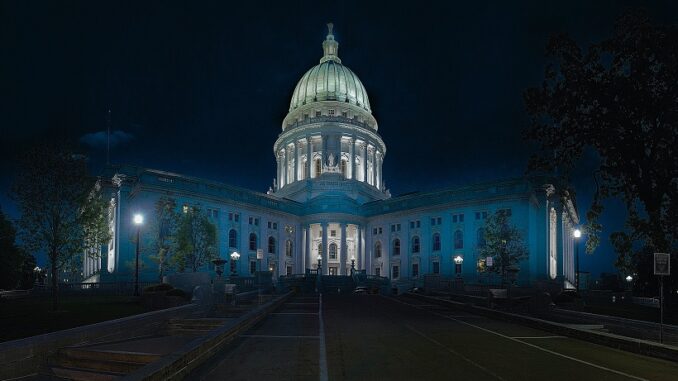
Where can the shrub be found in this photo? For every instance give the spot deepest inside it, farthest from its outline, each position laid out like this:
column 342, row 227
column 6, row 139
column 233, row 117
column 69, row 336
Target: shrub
column 176, row 292
column 159, row 287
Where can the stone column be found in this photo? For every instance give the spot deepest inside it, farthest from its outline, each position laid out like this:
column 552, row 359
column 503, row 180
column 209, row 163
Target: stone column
column 364, row 162
column 324, row 263
column 405, row 250
column 284, row 167
column 296, row 160
column 368, row 249
column 343, row 251
column 308, row 257
column 351, row 154
column 244, row 243
column 374, row 166
column 359, row 255
column 309, row 157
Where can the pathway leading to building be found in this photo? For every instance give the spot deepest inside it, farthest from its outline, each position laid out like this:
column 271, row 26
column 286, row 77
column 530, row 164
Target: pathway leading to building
column 368, row 337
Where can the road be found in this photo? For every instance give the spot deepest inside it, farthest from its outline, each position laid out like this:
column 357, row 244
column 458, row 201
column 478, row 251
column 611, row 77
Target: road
column 369, row 337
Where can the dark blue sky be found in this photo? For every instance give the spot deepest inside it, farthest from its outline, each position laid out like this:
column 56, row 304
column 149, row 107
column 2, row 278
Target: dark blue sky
column 202, row 89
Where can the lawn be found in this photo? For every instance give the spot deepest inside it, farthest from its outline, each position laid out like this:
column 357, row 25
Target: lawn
column 31, row 316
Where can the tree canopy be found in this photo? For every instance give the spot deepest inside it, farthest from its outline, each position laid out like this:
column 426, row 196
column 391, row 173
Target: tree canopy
column 62, row 213
column 196, row 238
column 618, row 100
column 164, row 234
column 11, row 256
column 503, row 242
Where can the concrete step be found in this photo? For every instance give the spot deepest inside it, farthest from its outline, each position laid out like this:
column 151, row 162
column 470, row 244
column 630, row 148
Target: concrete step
column 123, row 356
column 205, row 323
column 187, row 332
column 106, row 366
column 84, row 374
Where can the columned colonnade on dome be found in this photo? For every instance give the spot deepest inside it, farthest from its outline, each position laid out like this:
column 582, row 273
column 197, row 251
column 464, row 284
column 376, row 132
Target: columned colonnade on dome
column 353, row 157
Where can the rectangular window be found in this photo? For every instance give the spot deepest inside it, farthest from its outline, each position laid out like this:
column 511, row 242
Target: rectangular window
column 185, row 208
column 332, row 112
column 289, row 270
column 457, row 218
column 396, row 272
column 393, row 227
column 418, row 223
column 477, row 215
column 415, row 270
column 251, row 220
column 344, row 114
column 436, row 267
column 236, row 217
column 377, row 271
column 270, row 225
column 411, row 224
column 253, row 267
column 317, row 113
column 439, row 221
column 461, row 218
column 305, row 116
column 398, row 227
column 454, row 219
column 333, row 270
column 433, row 221
column 275, row 226
column 374, row 231
column 230, row 216
column 333, row 233
column 380, row 230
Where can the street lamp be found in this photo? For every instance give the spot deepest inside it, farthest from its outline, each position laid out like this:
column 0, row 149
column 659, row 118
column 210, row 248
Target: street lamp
column 458, row 260
column 234, row 257
column 352, row 264
column 629, row 278
column 320, row 258
column 138, row 221
column 577, row 235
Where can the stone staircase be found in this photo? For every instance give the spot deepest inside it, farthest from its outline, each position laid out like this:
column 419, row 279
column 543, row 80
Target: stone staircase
column 82, row 363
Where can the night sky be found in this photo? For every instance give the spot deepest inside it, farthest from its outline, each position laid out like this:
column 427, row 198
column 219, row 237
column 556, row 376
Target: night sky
column 202, row 89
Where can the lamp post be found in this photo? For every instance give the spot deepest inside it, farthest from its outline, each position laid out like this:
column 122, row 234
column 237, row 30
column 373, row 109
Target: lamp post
column 577, row 235
column 458, row 260
column 320, row 258
column 352, row 264
column 138, row 220
column 234, row 257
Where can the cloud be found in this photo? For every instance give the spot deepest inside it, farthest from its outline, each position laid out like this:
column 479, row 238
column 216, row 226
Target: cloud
column 98, row 139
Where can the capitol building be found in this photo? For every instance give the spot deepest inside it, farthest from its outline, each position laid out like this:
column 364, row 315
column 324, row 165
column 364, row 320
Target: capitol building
column 329, row 204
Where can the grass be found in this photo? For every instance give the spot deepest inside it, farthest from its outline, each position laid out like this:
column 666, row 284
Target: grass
column 20, row 318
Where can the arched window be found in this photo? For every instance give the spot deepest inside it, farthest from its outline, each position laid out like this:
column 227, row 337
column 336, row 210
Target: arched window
column 377, row 250
column 415, row 244
column 357, row 172
column 458, row 240
column 343, row 168
column 333, row 251
column 396, row 247
column 318, row 167
column 271, row 245
column 481, row 237
column 436, row 242
column 288, row 248
column 253, row 242
column 232, row 238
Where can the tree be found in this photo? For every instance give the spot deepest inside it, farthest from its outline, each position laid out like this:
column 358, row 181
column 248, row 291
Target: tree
column 11, row 256
column 196, row 238
column 62, row 212
column 504, row 243
column 618, row 99
column 164, row 232
column 28, row 272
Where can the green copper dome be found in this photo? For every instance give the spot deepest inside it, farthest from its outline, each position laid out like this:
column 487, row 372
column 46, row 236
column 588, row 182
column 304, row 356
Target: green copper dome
column 330, row 81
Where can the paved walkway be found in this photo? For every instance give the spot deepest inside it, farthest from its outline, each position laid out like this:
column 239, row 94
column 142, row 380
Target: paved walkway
column 370, row 337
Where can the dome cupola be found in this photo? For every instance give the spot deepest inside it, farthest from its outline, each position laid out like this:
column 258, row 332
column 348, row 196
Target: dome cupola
column 330, row 81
